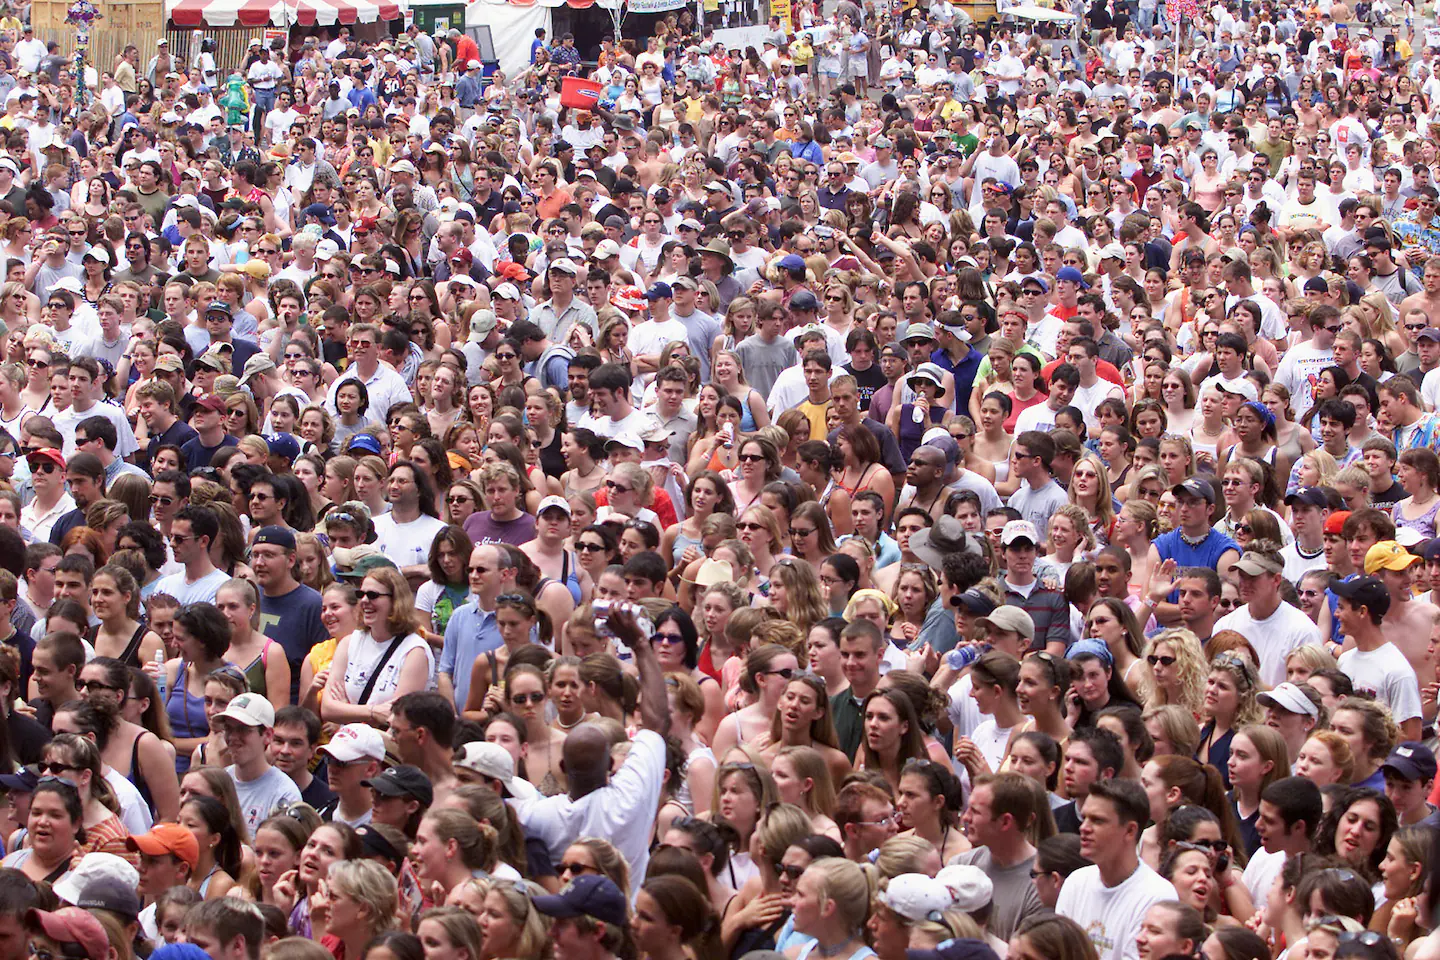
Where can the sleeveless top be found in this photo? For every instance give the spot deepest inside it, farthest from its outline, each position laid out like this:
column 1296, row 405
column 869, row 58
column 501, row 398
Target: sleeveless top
column 682, row 795
column 864, row 953
column 911, row 432
column 130, row 656
column 137, row 776
column 1423, row 524
column 187, row 715
column 255, row 672
column 570, row 575
column 677, row 549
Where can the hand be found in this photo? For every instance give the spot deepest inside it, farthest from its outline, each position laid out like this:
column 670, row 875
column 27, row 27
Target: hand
column 969, row 754
column 380, row 714
column 152, row 670
column 286, row 890
column 626, row 630
column 691, row 554
column 321, row 678
column 1403, row 918
column 494, row 700
column 1162, row 581
column 762, row 911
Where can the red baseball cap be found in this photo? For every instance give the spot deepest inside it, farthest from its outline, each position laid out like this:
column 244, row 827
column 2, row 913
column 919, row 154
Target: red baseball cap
column 211, row 402
column 71, row 925
column 47, row 453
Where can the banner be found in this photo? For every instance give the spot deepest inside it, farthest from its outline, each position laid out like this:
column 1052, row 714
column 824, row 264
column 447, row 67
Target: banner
column 781, row 9
column 655, row 6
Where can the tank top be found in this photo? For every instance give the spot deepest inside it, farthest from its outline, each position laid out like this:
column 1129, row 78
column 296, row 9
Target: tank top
column 255, row 672
column 911, row 432
column 187, row 715
column 130, row 656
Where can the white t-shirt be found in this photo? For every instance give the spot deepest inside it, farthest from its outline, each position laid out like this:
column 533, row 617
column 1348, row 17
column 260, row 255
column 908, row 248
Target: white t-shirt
column 1261, row 871
column 260, row 797
column 1273, row 637
column 1298, row 372
column 364, row 657
column 201, row 591
column 964, row 712
column 134, row 812
column 407, row 544
column 1385, row 673
column 1111, row 915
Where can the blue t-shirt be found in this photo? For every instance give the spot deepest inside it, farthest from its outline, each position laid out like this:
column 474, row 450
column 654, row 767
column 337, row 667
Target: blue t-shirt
column 1207, row 553
column 293, row 621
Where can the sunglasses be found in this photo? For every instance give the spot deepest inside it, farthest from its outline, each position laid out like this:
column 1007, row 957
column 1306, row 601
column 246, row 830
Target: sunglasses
column 523, row 698
column 1154, row 659
column 371, row 595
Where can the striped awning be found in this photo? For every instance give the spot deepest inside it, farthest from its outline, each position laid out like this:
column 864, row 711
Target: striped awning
column 281, row 13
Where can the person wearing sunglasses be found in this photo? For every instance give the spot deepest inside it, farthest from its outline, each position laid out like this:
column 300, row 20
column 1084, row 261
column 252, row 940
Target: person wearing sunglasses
column 51, row 501
column 768, row 670
column 371, row 670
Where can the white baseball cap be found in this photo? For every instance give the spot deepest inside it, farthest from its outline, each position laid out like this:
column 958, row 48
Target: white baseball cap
column 250, row 709
column 356, row 741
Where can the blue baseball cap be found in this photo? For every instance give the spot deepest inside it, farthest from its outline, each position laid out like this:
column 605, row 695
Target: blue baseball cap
column 283, row 445
column 659, row 291
column 363, row 441
column 276, row 536
column 590, row 895
column 791, row 262
column 1074, row 276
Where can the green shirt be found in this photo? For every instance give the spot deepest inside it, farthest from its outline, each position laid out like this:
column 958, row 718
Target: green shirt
column 848, row 712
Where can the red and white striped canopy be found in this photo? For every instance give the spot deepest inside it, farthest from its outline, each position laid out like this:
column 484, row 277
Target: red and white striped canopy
column 281, row 13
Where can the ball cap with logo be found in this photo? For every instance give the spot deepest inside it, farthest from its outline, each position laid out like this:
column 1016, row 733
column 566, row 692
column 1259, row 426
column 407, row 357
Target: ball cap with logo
column 590, row 895
column 1411, row 761
column 354, row 742
column 250, row 709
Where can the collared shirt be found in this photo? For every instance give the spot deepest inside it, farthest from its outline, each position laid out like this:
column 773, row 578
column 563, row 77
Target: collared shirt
column 385, row 388
column 1415, row 234
column 39, row 522
column 848, row 712
column 1047, row 608
column 470, row 633
column 557, row 326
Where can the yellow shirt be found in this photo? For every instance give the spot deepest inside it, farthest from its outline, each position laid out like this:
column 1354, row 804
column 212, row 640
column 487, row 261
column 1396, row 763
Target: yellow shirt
column 815, row 413
column 694, row 108
column 802, row 53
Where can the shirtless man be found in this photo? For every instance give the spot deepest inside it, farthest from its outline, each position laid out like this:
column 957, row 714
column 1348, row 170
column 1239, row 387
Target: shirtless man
column 1428, row 299
column 1409, row 622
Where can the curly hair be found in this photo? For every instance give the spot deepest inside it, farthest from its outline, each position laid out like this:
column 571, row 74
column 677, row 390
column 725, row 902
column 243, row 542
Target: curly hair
column 1190, row 669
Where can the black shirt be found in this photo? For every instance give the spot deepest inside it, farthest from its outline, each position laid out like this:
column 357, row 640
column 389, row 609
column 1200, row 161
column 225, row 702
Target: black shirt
column 868, row 381
column 318, row 794
column 66, row 523
column 177, row 434
column 198, row 455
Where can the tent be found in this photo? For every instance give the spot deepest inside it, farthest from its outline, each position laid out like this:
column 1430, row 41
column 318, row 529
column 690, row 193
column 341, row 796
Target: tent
column 281, row 13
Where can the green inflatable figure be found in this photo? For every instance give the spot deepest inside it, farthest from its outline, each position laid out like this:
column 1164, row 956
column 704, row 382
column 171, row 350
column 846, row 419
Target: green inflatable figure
column 235, row 100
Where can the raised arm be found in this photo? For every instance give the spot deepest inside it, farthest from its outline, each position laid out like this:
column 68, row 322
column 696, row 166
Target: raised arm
column 654, row 705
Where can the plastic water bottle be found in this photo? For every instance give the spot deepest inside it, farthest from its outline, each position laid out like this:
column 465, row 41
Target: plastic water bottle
column 160, row 676
column 917, row 414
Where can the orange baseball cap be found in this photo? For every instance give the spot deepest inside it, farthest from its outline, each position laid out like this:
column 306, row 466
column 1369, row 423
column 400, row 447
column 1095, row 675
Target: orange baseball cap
column 168, row 838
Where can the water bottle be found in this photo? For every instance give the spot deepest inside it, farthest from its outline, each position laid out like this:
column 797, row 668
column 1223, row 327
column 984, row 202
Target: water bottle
column 916, row 413
column 160, row 675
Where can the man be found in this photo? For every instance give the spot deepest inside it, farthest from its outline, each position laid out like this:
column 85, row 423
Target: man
column 816, row 366
column 208, row 420
column 1409, row 776
column 590, row 914
column 192, row 532
column 423, row 728
column 51, row 502
column 355, row 754
column 407, row 532
column 563, row 310
column 1290, row 812
column 766, row 353
column 87, row 387
column 220, row 325
column 157, row 408
column 861, row 644
column 1194, row 543
column 246, row 726
column 169, row 853
column 1410, row 620
column 96, row 436
column 1084, row 355
column 1094, row 755
column 292, row 748
column 597, row 804
column 997, row 820
column 546, row 361
column 702, row 327
column 1064, row 381
column 1272, row 626
column 866, row 817
column 611, row 410
column 289, row 610
column 1374, row 665
column 1309, row 508
column 675, row 422
column 1109, row 898
column 472, row 630
column 56, row 665
column 85, row 478
column 384, row 386
column 1047, row 608
column 226, row 928
column 1039, row 495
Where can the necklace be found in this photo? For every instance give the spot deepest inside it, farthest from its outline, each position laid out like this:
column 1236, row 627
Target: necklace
column 569, row 726
column 1194, row 541
column 834, row 951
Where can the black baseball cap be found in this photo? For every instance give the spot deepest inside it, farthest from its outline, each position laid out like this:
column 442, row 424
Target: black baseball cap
column 1363, row 592
column 403, row 781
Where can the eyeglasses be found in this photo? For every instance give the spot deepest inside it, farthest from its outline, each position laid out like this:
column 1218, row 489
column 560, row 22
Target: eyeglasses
column 751, row 525
column 576, row 868
column 524, row 698
column 1154, row 659
column 371, row 595
column 618, row 487
column 163, row 501
column 884, row 821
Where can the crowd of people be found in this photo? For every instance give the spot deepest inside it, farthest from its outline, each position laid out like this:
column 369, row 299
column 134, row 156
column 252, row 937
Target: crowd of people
column 921, row 490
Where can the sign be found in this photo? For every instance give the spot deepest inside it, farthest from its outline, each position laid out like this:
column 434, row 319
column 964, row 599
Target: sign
column 656, row 6
column 274, row 33
column 781, row 9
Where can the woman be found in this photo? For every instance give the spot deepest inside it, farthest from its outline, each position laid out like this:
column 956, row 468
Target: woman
column 1325, row 759
column 728, row 376
column 1258, row 757
column 909, row 421
column 1208, row 431
column 202, row 635
column 1113, row 622
column 510, row 926
column 339, row 614
column 584, row 453
column 1371, row 734
column 361, row 898
column 892, row 735
column 121, row 634
column 525, row 697
column 803, row 777
column 218, row 865
column 681, row 544
column 768, row 670
column 1042, row 692
column 1090, row 490
column 132, row 751
column 743, row 793
column 1357, row 829
column 994, row 680
column 449, row 848
column 1228, row 704
column 673, row 920
column 77, row 758
column 260, row 659
column 54, row 830
column 1177, row 670
column 384, row 659
column 992, row 442
column 928, row 808
column 832, row 904
column 279, row 841
column 860, row 466
column 803, row 718
column 1402, row 876
column 756, row 915
column 452, row 931
column 448, row 588
column 517, row 617
column 1419, row 474
column 760, row 532
column 759, row 465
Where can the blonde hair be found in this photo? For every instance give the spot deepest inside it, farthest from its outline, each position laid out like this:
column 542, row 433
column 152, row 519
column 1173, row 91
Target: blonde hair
column 849, row 885
column 902, row 855
column 1325, row 464
column 370, row 885
column 809, row 763
column 461, row 929
column 1179, row 726
column 1190, row 667
column 1312, row 656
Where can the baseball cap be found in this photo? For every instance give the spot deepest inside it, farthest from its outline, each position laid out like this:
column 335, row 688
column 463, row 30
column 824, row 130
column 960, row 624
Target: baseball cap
column 71, row 925
column 1257, row 564
column 791, row 262
column 1429, row 333
column 275, row 535
column 970, row 886
column 92, row 868
column 1238, row 388
column 590, row 895
column 283, row 445
column 47, row 453
column 403, row 781
column 962, row 948
column 1288, row 697
column 1073, row 276
column 362, row 567
column 1335, row 523
column 1412, row 761
column 804, row 300
column 356, row 741
column 256, row 365
column 1366, row 592
column 976, row 602
column 626, row 440
column 1019, row 530
column 1310, row 496
column 495, row 762
column 916, row 897
column 1011, row 619
column 565, row 265
column 659, row 291
column 250, row 709
column 1194, row 487
column 1389, row 555
column 108, row 893
column 363, row 441
column 167, row 838
column 555, row 503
